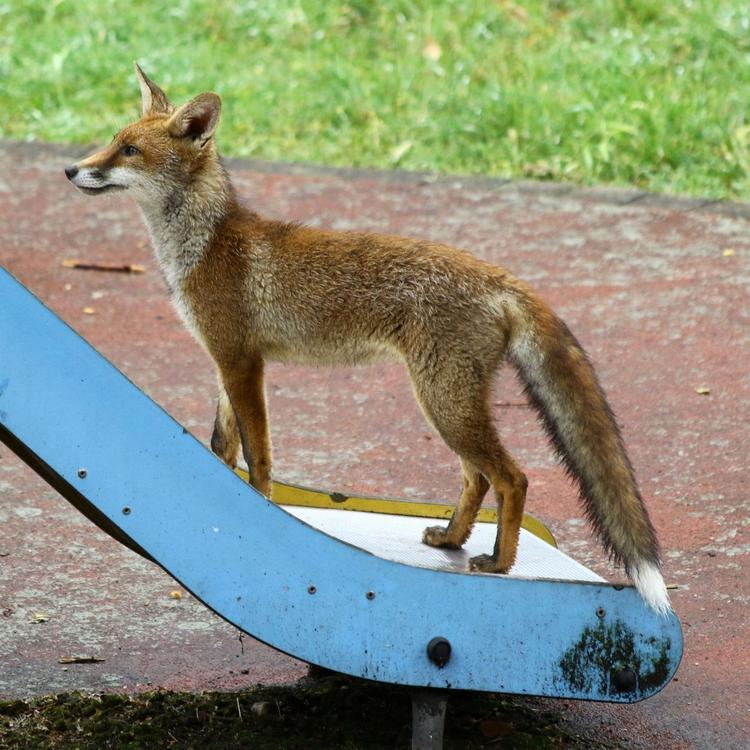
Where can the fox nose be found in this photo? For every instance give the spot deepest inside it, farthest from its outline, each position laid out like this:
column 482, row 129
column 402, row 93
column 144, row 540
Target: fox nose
column 71, row 171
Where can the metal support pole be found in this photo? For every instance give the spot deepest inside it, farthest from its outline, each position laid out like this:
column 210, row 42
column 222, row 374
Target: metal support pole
column 428, row 719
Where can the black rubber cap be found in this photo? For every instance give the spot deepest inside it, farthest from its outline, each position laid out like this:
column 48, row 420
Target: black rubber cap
column 624, row 681
column 439, row 651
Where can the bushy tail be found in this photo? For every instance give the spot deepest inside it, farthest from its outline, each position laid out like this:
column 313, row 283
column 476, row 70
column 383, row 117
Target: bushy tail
column 561, row 383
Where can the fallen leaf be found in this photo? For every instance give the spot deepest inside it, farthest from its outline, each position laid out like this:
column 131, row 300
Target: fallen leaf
column 516, row 11
column 399, row 151
column 38, row 617
column 175, row 594
column 432, row 51
column 492, row 728
column 728, row 252
column 540, row 169
column 264, row 710
column 79, row 660
column 703, row 391
column 89, row 311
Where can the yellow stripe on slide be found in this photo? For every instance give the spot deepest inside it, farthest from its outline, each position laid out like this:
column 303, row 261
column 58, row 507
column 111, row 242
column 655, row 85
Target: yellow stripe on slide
column 295, row 495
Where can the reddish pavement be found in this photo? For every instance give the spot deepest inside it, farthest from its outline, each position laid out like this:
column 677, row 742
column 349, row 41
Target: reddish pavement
column 655, row 288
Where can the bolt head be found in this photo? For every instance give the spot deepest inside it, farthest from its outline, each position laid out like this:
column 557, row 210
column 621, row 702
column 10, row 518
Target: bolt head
column 624, row 681
column 439, row 651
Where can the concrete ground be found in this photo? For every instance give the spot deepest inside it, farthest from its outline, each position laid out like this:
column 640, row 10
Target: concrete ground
column 655, row 288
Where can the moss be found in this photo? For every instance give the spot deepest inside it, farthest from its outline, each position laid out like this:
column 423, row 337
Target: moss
column 604, row 653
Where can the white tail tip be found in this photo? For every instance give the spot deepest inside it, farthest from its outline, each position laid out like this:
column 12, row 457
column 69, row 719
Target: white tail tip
column 649, row 583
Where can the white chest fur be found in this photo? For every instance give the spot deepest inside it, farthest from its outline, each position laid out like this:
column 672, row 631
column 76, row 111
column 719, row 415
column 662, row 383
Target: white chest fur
column 179, row 245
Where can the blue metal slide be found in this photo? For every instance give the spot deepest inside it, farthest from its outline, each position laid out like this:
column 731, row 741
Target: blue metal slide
column 140, row 476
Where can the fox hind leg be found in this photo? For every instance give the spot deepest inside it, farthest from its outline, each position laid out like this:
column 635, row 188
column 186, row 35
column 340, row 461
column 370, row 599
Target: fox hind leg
column 458, row 408
column 509, row 484
column 459, row 528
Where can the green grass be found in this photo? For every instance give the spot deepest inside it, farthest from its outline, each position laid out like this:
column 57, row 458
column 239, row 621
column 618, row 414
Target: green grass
column 647, row 93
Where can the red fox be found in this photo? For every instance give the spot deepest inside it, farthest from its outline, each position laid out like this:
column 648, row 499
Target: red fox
column 251, row 289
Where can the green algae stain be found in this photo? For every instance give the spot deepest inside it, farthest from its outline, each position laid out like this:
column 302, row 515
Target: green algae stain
column 608, row 660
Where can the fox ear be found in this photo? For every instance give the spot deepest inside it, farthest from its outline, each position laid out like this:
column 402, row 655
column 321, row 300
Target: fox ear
column 153, row 99
column 197, row 119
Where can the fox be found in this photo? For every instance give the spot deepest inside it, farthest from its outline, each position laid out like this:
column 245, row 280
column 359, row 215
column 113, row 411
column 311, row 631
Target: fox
column 253, row 290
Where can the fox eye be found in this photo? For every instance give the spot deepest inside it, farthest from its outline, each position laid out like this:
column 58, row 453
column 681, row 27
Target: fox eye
column 130, row 150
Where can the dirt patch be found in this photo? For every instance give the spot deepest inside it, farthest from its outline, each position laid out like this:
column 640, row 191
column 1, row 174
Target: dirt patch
column 332, row 712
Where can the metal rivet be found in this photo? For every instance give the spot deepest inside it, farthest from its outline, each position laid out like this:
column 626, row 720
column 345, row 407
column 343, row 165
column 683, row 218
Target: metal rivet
column 82, row 473
column 370, row 595
column 600, row 613
column 311, row 589
column 126, row 511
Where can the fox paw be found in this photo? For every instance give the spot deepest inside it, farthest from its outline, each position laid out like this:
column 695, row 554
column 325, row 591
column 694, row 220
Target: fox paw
column 486, row 564
column 437, row 536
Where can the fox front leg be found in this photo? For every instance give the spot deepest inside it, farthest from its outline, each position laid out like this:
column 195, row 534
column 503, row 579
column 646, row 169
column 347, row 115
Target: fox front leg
column 245, row 392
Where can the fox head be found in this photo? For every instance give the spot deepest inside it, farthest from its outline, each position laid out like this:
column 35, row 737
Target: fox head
column 154, row 156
